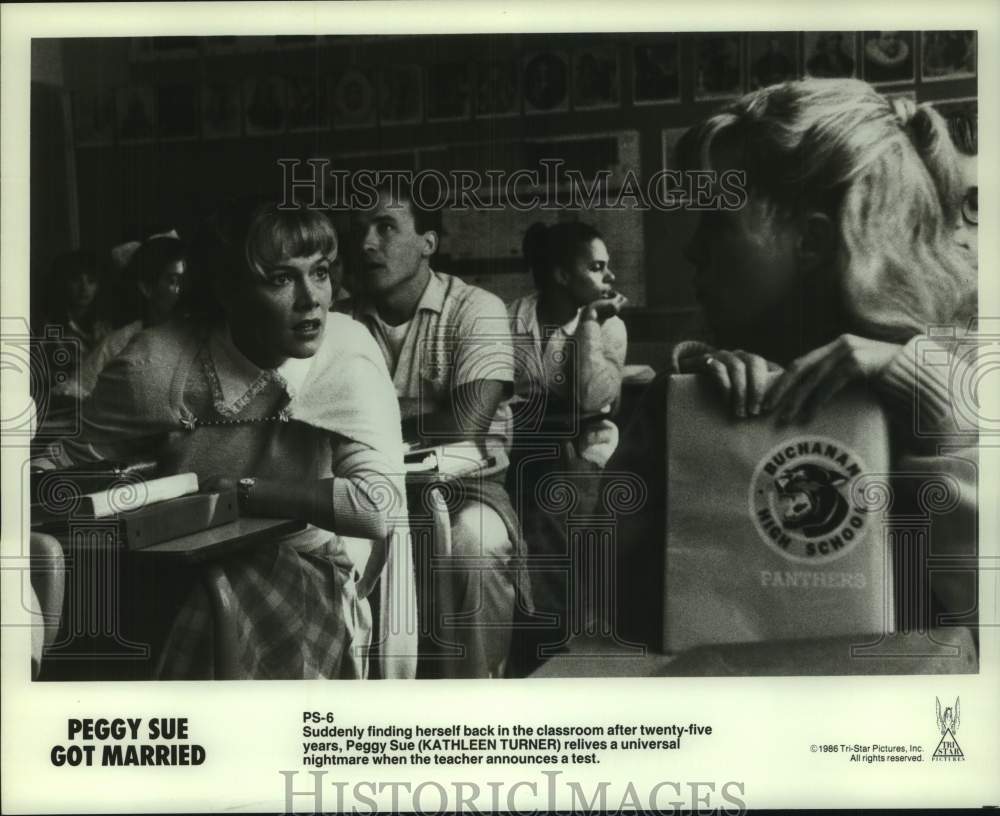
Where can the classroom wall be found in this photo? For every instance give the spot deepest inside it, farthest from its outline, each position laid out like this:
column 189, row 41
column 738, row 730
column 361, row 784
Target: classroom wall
column 126, row 187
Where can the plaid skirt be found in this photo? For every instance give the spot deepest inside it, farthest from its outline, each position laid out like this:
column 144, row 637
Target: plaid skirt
column 283, row 614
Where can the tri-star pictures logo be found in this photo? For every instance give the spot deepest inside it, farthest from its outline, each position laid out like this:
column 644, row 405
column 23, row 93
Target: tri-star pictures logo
column 948, row 749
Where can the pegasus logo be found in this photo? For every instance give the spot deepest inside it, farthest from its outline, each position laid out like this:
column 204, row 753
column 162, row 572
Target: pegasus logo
column 948, row 719
column 948, row 749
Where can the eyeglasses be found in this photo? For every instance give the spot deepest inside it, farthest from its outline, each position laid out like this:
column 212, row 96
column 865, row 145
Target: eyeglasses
column 970, row 207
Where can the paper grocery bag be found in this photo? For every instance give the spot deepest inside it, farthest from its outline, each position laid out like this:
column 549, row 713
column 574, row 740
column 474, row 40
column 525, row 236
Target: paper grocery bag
column 774, row 533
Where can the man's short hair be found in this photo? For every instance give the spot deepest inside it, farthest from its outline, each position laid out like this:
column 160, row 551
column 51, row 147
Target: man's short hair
column 425, row 218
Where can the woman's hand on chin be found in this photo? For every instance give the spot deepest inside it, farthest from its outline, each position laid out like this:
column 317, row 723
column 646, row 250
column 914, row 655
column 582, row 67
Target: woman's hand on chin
column 742, row 378
column 814, row 378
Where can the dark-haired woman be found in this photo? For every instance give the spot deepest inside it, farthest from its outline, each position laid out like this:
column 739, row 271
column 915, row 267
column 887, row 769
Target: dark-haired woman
column 569, row 349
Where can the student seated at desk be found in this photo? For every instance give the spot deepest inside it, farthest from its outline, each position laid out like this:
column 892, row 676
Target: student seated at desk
column 264, row 389
column 447, row 345
column 154, row 272
column 72, row 293
column 569, row 348
column 844, row 255
column 570, row 343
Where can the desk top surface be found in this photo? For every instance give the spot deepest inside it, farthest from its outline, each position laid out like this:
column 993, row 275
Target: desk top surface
column 217, row 541
column 938, row 651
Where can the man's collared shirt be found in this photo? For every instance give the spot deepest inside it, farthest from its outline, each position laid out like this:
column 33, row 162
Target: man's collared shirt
column 458, row 334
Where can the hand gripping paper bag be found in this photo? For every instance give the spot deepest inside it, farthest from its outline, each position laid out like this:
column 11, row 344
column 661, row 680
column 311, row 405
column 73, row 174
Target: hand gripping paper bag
column 774, row 533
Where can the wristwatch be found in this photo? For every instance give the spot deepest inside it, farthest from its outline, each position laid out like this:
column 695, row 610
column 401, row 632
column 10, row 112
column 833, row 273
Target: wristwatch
column 243, row 490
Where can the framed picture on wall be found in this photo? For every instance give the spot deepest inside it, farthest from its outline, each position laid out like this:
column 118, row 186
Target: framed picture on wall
column 962, row 116
column 545, row 82
column 135, row 114
column 400, row 94
column 264, row 105
column 449, row 91
column 352, row 99
column 718, row 66
column 94, row 117
column 773, row 58
column 669, row 139
column 497, row 89
column 888, row 57
column 221, row 109
column 177, row 109
column 948, row 55
column 656, row 69
column 306, row 110
column 596, row 78
column 830, row 54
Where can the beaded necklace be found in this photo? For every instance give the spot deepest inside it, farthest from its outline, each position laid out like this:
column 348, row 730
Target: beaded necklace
column 190, row 421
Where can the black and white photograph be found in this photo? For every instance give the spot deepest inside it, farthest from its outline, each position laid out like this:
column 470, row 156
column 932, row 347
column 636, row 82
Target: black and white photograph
column 221, row 109
column 595, row 78
column 617, row 399
column 497, row 89
column 265, row 104
column 889, row 56
column 718, row 66
column 948, row 55
column 657, row 72
column 773, row 58
column 449, row 91
column 136, row 113
column 400, row 94
column 830, row 54
column 545, row 82
column 352, row 98
column 306, row 103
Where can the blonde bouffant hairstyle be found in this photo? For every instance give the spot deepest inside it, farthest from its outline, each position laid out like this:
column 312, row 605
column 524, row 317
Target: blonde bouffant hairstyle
column 885, row 171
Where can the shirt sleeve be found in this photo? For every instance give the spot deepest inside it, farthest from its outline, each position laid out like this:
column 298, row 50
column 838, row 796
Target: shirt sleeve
column 484, row 347
column 600, row 353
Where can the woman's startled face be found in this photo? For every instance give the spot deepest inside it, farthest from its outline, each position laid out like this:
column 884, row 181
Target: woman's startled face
column 281, row 313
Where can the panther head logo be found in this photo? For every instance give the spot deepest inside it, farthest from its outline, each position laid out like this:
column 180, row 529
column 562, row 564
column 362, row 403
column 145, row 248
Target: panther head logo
column 809, row 499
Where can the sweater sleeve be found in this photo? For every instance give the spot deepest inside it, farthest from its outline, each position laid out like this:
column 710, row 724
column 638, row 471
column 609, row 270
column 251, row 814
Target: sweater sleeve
column 684, row 352
column 367, row 491
column 921, row 389
column 601, row 351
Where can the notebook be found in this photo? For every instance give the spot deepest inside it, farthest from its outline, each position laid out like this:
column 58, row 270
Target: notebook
column 451, row 460
column 774, row 533
column 121, row 497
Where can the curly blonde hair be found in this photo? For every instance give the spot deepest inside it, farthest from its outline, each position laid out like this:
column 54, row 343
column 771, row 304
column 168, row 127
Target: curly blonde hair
column 884, row 170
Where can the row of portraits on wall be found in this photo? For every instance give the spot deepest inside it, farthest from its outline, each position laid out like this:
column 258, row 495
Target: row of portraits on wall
column 539, row 82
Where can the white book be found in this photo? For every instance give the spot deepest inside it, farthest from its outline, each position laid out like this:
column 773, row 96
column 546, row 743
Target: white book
column 455, row 459
column 125, row 497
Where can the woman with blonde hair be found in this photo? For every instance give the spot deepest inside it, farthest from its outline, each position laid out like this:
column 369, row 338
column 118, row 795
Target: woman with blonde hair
column 259, row 387
column 842, row 257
